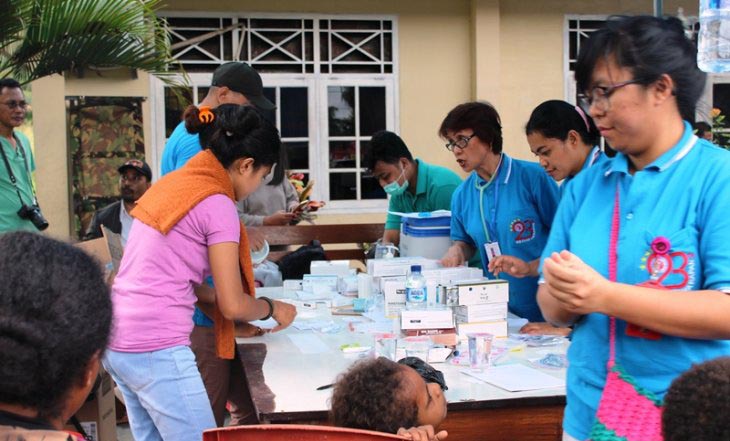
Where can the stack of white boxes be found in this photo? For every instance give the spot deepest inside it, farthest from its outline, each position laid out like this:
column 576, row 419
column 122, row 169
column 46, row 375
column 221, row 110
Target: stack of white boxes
column 481, row 306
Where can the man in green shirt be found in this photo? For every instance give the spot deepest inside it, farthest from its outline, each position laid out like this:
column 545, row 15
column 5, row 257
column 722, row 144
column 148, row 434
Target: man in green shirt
column 413, row 185
column 18, row 207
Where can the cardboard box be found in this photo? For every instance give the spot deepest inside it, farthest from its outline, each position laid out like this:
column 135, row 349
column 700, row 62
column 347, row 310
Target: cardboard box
column 483, row 291
column 480, row 313
column 398, row 266
column 426, row 319
column 340, row 268
column 394, row 297
column 98, row 416
column 445, row 337
column 107, row 251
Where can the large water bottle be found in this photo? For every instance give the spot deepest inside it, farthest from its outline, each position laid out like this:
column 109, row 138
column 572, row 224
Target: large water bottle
column 713, row 51
column 416, row 289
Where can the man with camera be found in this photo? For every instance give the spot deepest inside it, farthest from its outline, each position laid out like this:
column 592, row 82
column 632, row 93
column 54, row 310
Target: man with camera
column 19, row 208
column 135, row 177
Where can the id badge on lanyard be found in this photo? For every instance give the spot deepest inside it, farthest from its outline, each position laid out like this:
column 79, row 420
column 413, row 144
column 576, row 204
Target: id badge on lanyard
column 491, row 246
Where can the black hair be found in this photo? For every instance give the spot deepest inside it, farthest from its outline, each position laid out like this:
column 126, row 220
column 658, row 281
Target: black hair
column 702, row 127
column 9, row 83
column 555, row 118
column 236, row 132
column 387, row 147
column 696, row 407
column 481, row 117
column 373, row 395
column 649, row 47
column 55, row 314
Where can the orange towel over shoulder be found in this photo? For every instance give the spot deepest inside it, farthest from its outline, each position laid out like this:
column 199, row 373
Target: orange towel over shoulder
column 172, row 197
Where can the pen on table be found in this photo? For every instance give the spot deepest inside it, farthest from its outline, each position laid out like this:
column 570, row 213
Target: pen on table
column 326, row 386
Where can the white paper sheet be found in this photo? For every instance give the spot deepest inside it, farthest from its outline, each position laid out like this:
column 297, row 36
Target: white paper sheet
column 309, row 344
column 516, row 377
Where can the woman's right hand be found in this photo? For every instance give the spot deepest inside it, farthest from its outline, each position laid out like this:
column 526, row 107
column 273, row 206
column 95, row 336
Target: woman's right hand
column 284, row 314
column 454, row 257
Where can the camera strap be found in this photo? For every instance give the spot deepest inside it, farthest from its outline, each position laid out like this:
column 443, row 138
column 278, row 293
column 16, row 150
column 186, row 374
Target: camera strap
column 13, row 180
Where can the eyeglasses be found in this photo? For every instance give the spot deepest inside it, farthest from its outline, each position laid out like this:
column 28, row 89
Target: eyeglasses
column 15, row 104
column 460, row 142
column 598, row 96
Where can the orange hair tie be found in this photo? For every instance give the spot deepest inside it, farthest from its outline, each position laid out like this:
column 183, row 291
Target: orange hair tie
column 205, row 115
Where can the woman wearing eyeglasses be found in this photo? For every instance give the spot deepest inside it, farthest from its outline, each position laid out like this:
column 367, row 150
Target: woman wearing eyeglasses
column 505, row 206
column 642, row 237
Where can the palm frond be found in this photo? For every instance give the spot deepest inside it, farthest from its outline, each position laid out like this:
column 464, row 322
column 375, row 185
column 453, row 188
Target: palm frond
column 45, row 37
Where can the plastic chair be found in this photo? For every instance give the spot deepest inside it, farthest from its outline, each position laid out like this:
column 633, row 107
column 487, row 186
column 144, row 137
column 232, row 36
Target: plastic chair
column 294, row 432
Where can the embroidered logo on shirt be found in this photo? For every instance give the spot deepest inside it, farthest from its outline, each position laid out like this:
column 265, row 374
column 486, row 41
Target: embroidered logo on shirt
column 670, row 268
column 525, row 229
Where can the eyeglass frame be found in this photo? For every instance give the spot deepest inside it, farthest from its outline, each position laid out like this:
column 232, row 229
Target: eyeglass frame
column 586, row 103
column 464, row 140
column 12, row 105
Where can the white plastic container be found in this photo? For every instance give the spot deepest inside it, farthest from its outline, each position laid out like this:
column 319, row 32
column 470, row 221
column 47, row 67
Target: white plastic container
column 425, row 237
column 713, row 51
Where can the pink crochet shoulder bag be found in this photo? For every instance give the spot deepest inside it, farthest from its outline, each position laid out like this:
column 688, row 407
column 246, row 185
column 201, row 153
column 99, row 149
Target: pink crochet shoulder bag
column 626, row 412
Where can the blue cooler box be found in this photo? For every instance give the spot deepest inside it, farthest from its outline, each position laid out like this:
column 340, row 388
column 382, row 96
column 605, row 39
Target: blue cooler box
column 427, row 237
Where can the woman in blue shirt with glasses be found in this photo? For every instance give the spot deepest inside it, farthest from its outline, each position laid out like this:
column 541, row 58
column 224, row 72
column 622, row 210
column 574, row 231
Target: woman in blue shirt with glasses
column 505, row 206
column 656, row 214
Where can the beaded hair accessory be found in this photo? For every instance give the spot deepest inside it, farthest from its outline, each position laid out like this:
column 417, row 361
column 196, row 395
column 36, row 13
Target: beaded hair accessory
column 205, row 114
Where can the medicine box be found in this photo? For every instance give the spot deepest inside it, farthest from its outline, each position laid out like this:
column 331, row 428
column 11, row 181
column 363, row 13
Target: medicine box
column 426, row 318
column 394, row 294
column 484, row 291
column 483, row 312
column 398, row 266
column 340, row 268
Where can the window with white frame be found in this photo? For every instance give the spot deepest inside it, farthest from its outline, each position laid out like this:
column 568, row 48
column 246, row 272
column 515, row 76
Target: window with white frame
column 577, row 29
column 332, row 78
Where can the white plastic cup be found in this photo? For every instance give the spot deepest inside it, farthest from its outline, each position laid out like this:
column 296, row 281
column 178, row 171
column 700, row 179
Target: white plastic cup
column 385, row 344
column 418, row 346
column 480, row 350
column 364, row 286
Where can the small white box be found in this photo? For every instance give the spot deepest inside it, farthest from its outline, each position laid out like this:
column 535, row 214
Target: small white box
column 340, row 268
column 398, row 266
column 480, row 313
column 394, row 293
column 497, row 328
column 426, row 319
column 483, row 291
column 318, row 284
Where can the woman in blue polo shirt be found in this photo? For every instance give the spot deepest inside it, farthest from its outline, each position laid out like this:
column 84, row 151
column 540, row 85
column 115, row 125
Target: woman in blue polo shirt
column 505, row 206
column 665, row 195
column 565, row 141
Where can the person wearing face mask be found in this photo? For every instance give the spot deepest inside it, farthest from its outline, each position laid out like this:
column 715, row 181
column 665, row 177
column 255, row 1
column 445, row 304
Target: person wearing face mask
column 413, row 185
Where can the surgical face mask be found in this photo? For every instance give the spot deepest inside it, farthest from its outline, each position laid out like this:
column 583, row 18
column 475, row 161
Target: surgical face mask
column 394, row 188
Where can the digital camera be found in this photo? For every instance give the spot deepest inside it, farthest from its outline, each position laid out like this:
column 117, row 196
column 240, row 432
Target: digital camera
column 33, row 214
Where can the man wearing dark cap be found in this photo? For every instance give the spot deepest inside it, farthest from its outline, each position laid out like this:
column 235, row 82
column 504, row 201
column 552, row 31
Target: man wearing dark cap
column 135, row 177
column 233, row 83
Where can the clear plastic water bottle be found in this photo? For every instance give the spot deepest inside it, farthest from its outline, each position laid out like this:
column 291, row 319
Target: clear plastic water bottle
column 713, row 45
column 416, row 289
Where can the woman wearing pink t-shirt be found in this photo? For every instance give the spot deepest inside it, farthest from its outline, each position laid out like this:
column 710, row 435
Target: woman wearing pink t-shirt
column 186, row 228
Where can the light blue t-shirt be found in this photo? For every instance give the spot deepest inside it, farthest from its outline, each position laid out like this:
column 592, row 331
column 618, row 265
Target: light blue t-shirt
column 180, row 147
column 519, row 205
column 682, row 196
column 595, row 156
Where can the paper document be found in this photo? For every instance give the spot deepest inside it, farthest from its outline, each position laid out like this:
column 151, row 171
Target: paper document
column 517, row 377
column 309, row 344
